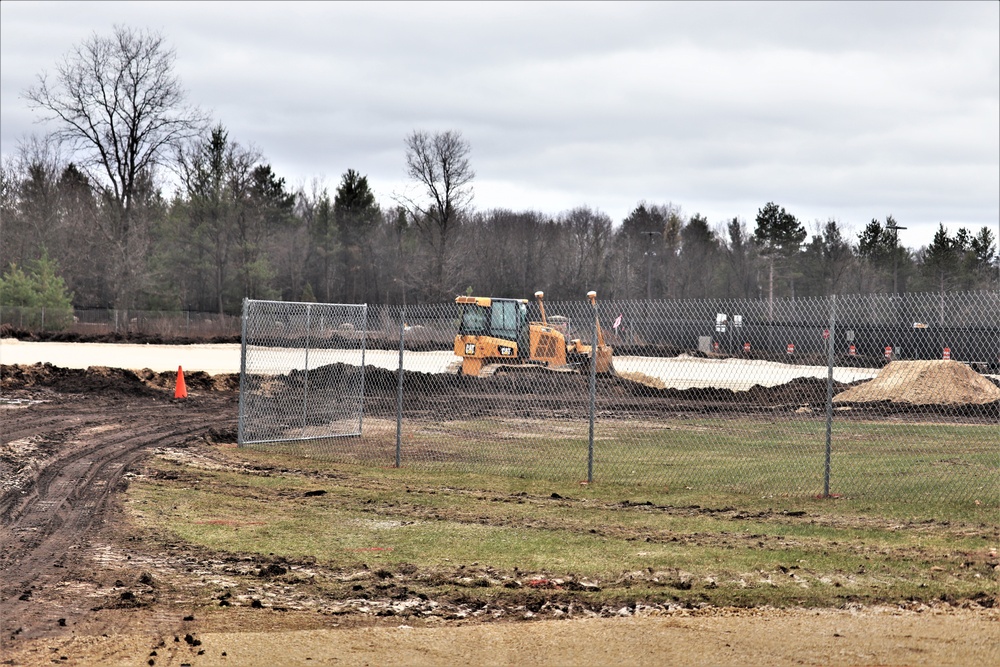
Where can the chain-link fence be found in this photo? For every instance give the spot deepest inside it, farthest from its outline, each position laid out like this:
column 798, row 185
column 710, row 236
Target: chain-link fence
column 885, row 398
column 96, row 322
column 301, row 371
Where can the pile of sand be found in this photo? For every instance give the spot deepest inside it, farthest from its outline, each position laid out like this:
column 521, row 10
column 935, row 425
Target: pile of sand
column 924, row 383
column 642, row 378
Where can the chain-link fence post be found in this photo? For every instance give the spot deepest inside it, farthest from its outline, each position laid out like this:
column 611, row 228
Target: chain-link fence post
column 364, row 350
column 830, row 343
column 305, row 374
column 240, row 431
column 593, row 388
column 399, row 389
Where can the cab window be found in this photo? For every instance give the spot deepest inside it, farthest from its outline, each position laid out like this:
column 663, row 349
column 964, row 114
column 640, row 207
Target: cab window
column 474, row 320
column 504, row 320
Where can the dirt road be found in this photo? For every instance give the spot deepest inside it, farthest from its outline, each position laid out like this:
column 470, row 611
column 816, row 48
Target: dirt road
column 81, row 446
column 71, row 593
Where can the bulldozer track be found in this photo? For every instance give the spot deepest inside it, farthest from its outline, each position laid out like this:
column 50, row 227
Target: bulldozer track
column 522, row 369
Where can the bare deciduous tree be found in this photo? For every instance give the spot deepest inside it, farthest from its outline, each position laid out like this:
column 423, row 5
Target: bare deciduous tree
column 440, row 164
column 31, row 197
column 217, row 177
column 119, row 105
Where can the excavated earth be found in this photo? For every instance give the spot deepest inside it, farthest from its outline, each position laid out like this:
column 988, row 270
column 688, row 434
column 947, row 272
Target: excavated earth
column 77, row 587
column 943, row 382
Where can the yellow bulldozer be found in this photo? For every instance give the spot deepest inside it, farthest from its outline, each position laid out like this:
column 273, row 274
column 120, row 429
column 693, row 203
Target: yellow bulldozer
column 495, row 334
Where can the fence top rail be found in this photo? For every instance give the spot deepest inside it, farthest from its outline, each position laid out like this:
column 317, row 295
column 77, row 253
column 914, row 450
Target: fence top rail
column 305, row 303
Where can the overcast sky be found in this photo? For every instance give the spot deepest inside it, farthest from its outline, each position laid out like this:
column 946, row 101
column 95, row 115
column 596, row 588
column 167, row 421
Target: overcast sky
column 847, row 110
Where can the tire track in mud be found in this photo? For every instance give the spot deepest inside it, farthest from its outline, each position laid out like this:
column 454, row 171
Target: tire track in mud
column 47, row 523
column 23, row 422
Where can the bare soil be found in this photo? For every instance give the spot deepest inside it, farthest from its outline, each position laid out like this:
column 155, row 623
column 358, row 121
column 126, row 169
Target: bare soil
column 940, row 382
column 78, row 585
column 8, row 331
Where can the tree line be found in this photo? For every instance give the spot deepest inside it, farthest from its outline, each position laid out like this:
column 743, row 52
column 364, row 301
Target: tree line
column 85, row 204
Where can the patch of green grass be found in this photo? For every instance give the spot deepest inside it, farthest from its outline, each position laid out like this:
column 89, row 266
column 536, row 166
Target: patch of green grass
column 897, row 469
column 646, row 543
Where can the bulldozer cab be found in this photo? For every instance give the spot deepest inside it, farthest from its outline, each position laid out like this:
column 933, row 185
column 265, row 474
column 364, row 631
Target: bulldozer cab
column 495, row 334
column 506, row 319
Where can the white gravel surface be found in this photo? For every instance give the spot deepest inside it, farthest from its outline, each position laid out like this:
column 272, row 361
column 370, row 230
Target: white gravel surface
column 677, row 372
column 213, row 359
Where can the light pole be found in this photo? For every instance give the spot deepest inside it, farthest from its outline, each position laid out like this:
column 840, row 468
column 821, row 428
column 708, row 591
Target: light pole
column 895, row 256
column 891, row 224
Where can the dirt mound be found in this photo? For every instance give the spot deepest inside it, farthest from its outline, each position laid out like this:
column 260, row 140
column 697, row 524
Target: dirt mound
column 911, row 385
column 107, row 380
column 924, row 383
column 10, row 331
column 797, row 392
column 569, row 388
column 73, row 380
column 195, row 380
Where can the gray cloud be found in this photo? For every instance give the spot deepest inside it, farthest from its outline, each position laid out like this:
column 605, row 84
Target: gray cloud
column 834, row 110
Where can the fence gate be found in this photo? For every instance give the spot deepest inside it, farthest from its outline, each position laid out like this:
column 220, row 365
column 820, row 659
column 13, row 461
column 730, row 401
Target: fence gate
column 301, row 371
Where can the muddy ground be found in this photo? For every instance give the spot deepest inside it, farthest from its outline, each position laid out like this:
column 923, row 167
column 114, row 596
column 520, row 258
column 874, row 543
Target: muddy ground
column 77, row 587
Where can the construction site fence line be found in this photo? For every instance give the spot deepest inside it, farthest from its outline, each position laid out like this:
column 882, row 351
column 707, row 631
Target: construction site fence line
column 97, row 322
column 885, row 398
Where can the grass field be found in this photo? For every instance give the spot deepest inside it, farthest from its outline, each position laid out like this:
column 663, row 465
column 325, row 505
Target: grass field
column 510, row 537
column 892, row 469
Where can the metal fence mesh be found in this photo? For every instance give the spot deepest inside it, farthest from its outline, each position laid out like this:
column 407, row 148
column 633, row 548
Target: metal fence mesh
column 882, row 398
column 103, row 322
column 302, row 372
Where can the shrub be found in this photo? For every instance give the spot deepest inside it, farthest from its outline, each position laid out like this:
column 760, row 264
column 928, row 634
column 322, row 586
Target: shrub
column 38, row 296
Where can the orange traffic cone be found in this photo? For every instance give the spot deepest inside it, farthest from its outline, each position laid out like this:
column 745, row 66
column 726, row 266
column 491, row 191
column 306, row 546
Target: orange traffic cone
column 181, row 390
